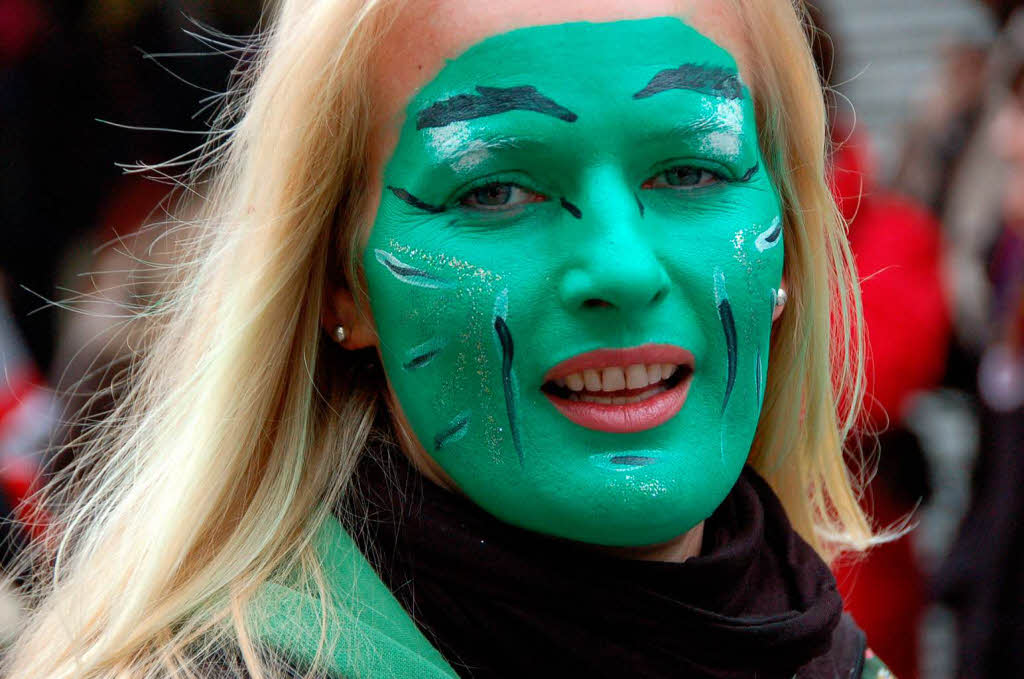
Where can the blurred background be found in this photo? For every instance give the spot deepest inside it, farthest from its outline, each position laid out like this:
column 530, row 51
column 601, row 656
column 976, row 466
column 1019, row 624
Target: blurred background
column 927, row 120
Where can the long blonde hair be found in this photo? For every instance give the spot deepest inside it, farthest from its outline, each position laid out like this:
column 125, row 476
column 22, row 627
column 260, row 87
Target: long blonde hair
column 242, row 424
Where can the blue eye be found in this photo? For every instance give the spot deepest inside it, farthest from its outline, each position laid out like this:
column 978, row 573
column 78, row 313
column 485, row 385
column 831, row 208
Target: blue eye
column 683, row 177
column 499, row 196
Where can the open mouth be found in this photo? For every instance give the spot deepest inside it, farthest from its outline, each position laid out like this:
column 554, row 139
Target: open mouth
column 593, row 386
column 603, row 390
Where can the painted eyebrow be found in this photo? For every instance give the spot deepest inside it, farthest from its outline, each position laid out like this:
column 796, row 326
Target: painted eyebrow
column 715, row 81
column 491, row 101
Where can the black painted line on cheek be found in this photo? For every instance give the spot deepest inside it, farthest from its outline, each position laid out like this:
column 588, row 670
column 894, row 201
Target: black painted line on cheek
column 456, row 428
column 415, row 202
column 729, row 326
column 422, row 359
column 408, row 274
column 639, row 204
column 757, row 375
column 505, row 336
column 491, row 101
column 751, row 172
column 572, row 209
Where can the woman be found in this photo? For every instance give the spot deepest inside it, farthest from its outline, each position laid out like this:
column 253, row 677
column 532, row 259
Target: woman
column 492, row 289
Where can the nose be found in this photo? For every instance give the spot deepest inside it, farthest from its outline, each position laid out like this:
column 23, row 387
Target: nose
column 613, row 260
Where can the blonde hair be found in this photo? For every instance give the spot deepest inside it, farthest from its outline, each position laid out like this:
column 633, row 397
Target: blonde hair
column 242, row 425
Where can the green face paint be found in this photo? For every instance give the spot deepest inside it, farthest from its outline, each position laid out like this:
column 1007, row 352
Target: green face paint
column 563, row 189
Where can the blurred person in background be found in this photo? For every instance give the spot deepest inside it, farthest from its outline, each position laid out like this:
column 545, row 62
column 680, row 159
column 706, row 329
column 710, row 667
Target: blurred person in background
column 950, row 163
column 897, row 245
column 983, row 577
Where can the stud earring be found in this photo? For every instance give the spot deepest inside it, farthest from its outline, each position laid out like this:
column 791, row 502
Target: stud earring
column 781, row 298
column 339, row 334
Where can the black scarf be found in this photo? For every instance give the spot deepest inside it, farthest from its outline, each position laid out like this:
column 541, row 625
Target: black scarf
column 499, row 601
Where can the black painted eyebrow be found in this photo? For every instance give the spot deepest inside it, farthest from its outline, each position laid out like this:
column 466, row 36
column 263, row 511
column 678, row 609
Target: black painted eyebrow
column 488, row 102
column 715, row 81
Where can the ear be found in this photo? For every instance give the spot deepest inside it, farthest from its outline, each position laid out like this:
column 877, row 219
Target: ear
column 340, row 308
column 777, row 312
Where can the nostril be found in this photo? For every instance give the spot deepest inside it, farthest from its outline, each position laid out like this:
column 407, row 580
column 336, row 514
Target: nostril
column 659, row 295
column 594, row 302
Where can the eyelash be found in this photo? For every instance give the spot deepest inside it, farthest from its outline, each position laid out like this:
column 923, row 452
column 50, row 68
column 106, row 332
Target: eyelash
column 713, row 179
column 470, row 198
column 466, row 198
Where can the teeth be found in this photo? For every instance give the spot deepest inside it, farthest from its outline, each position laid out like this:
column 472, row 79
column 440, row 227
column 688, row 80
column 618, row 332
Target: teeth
column 613, row 379
column 636, row 377
column 617, row 378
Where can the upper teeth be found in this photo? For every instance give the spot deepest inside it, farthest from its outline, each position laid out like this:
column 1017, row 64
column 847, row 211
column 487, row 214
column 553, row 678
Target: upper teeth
column 617, row 378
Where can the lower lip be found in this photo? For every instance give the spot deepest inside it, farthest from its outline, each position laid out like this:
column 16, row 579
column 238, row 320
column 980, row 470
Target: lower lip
column 626, row 417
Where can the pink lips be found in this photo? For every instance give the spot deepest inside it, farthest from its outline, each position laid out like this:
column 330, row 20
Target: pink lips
column 628, row 417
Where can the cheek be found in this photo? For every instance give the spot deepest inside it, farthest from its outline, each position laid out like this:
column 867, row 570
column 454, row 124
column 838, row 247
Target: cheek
column 440, row 320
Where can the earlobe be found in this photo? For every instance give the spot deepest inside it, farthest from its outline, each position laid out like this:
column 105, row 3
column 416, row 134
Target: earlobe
column 346, row 322
column 781, row 299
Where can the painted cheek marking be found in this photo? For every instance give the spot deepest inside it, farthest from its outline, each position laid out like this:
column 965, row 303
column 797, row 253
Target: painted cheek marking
column 421, row 355
column 729, row 328
column 455, row 430
column 639, row 204
column 572, row 209
column 409, row 274
column 757, row 377
column 713, row 81
column 505, row 336
column 770, row 237
column 491, row 101
column 415, row 202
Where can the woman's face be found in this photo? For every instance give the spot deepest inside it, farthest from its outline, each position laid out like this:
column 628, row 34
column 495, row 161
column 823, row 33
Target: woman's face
column 574, row 257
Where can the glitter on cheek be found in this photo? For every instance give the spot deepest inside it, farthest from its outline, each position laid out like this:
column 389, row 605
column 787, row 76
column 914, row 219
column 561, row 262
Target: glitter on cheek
column 473, row 375
column 651, row 488
column 495, row 437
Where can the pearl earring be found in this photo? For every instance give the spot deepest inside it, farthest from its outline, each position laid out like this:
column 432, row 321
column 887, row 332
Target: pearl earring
column 781, row 298
column 339, row 334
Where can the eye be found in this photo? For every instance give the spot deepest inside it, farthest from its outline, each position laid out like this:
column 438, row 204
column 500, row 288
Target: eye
column 499, row 196
column 683, row 177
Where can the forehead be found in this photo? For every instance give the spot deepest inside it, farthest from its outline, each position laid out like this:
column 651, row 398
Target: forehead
column 428, row 34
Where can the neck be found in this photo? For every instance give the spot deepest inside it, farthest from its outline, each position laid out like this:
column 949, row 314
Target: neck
column 676, row 550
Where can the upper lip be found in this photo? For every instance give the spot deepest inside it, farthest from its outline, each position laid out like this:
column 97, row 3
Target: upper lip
column 605, row 358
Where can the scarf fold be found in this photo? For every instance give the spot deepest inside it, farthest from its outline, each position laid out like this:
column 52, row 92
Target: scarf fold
column 499, row 601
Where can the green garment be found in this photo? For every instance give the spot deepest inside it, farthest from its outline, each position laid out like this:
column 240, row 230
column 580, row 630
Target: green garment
column 370, row 636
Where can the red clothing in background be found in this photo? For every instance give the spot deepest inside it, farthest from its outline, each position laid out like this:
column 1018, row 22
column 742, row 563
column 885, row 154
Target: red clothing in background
column 897, row 247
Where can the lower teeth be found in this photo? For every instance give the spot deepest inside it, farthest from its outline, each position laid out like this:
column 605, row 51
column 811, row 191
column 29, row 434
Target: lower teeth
column 616, row 400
